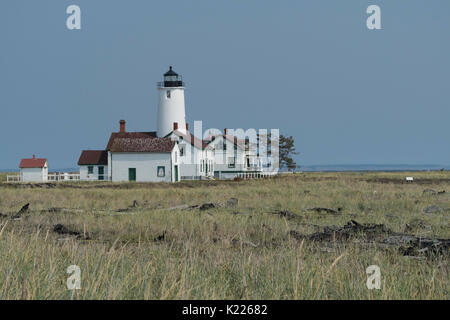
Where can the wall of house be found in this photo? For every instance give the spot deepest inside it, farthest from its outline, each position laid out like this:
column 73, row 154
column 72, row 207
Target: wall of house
column 146, row 165
column 45, row 173
column 224, row 175
column 221, row 156
column 190, row 162
column 209, row 157
column 175, row 161
column 33, row 175
column 109, row 165
column 85, row 176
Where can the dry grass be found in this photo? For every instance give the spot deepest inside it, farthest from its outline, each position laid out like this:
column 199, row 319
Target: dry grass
column 218, row 254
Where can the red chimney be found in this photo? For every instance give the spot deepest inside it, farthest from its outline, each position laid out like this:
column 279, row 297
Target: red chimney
column 175, row 126
column 187, row 127
column 225, row 131
column 122, row 126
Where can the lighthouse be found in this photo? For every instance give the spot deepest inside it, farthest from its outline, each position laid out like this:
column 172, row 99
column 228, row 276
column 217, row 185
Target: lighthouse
column 171, row 108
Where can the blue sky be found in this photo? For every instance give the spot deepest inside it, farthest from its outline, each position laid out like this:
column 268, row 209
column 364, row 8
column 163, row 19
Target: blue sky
column 310, row 68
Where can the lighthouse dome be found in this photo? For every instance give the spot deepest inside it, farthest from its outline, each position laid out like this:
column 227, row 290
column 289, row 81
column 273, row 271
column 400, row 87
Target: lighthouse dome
column 172, row 79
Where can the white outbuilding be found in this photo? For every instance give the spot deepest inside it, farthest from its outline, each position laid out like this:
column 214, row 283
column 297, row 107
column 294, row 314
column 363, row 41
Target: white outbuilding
column 34, row 170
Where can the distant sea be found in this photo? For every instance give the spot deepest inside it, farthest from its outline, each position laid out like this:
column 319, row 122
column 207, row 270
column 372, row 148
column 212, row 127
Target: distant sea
column 372, row 167
column 330, row 168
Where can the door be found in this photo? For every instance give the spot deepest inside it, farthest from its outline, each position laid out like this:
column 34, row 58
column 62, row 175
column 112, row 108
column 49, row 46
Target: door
column 176, row 174
column 131, row 174
column 101, row 172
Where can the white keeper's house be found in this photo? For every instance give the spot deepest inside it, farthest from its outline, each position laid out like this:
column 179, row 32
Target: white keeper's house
column 170, row 154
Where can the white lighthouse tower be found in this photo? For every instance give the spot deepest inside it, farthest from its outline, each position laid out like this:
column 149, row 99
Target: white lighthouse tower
column 171, row 109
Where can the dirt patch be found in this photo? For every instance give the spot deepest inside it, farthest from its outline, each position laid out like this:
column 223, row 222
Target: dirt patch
column 377, row 233
column 287, row 214
column 422, row 181
column 63, row 230
column 231, row 203
column 325, row 210
column 433, row 192
column 161, row 237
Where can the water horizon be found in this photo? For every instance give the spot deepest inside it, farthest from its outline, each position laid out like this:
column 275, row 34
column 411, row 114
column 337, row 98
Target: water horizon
column 372, row 167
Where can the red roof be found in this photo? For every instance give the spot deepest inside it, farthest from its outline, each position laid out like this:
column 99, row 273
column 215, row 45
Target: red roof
column 93, row 157
column 129, row 135
column 32, row 163
column 151, row 145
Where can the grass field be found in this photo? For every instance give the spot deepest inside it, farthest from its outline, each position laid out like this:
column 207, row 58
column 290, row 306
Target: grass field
column 244, row 252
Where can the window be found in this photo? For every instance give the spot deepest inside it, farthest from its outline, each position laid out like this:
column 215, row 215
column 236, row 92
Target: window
column 90, row 169
column 224, row 145
column 168, row 94
column 161, row 171
column 182, row 151
column 231, row 162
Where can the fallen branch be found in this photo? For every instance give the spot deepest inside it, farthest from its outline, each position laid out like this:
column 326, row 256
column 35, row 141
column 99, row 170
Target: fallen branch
column 377, row 233
column 326, row 210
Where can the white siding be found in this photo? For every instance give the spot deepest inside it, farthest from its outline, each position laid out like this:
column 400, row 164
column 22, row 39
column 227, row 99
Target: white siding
column 146, row 165
column 222, row 156
column 109, row 165
column 222, row 169
column 85, row 176
column 34, row 174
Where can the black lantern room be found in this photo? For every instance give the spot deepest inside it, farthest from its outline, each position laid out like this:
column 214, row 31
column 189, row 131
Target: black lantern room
column 172, row 79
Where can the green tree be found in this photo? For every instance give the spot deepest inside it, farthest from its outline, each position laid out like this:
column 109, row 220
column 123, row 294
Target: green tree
column 284, row 152
column 287, row 150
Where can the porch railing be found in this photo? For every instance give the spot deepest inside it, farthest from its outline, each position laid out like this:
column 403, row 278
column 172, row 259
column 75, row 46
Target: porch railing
column 51, row 177
column 54, row 177
column 14, row 178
